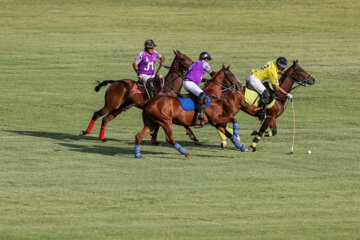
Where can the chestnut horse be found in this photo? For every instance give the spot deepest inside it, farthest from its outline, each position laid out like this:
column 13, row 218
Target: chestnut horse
column 294, row 74
column 166, row 110
column 120, row 96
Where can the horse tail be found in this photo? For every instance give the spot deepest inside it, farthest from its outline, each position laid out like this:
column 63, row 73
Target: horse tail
column 103, row 83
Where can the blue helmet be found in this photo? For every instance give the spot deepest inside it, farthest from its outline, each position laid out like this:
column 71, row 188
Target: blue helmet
column 205, row 55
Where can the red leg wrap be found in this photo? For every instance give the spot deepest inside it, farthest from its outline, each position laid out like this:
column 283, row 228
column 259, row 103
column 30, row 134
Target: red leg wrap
column 90, row 127
column 102, row 133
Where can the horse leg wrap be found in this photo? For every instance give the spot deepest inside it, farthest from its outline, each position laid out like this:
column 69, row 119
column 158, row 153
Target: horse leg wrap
column 268, row 134
column 102, row 133
column 255, row 141
column 137, row 151
column 90, row 127
column 237, row 143
column 236, row 129
column 181, row 149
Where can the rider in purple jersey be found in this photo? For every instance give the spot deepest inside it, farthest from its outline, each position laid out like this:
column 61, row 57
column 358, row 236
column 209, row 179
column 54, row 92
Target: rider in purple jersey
column 193, row 78
column 144, row 64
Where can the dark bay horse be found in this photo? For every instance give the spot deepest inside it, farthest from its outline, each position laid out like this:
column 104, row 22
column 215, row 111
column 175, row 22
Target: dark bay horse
column 166, row 110
column 294, row 74
column 121, row 96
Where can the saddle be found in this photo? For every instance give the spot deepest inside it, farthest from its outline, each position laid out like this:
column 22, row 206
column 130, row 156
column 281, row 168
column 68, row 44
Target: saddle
column 154, row 85
column 187, row 102
column 253, row 98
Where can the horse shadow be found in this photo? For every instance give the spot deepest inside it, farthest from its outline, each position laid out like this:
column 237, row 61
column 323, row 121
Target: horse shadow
column 56, row 136
column 67, row 140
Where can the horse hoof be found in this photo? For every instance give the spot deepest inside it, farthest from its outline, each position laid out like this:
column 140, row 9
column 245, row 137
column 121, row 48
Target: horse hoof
column 82, row 133
column 223, row 144
column 104, row 141
column 187, row 154
column 197, row 142
column 253, row 149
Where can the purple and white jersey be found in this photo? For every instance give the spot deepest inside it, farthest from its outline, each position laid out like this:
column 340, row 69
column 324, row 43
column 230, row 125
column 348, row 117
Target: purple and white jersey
column 197, row 70
column 146, row 62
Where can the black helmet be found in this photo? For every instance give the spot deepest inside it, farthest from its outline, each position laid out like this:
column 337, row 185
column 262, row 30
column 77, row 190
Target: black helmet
column 282, row 62
column 205, row 55
column 150, row 44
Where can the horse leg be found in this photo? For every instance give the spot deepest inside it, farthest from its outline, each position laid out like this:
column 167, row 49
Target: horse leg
column 192, row 135
column 148, row 127
column 223, row 137
column 96, row 115
column 154, row 136
column 260, row 133
column 105, row 121
column 170, row 139
column 235, row 137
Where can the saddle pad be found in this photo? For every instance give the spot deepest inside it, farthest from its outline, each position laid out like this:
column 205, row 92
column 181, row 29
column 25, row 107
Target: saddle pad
column 188, row 104
column 138, row 89
column 250, row 97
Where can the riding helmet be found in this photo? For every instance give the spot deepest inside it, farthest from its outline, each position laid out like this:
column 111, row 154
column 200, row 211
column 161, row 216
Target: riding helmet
column 150, row 44
column 282, row 62
column 205, row 55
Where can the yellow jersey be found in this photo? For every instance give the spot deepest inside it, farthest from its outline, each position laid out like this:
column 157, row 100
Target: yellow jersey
column 268, row 71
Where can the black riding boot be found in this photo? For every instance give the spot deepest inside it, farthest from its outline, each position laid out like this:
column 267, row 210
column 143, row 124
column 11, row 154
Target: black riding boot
column 265, row 100
column 150, row 87
column 198, row 111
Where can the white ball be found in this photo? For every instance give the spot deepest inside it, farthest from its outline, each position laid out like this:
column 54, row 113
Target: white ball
column 309, row 152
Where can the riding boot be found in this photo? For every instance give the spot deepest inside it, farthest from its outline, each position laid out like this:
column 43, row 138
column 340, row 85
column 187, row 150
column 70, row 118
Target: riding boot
column 265, row 100
column 150, row 87
column 198, row 112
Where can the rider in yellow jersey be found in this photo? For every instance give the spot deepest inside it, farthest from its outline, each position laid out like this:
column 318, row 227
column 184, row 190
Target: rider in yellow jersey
column 268, row 72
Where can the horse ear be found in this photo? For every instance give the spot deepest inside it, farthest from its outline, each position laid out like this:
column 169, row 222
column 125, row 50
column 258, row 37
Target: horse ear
column 223, row 65
column 228, row 66
column 178, row 52
column 174, row 52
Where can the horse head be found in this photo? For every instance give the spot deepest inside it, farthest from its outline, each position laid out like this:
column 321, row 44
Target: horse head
column 179, row 66
column 181, row 62
column 227, row 78
column 299, row 75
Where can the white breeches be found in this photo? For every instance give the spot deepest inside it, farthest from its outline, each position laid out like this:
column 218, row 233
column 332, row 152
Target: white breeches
column 256, row 83
column 145, row 77
column 191, row 87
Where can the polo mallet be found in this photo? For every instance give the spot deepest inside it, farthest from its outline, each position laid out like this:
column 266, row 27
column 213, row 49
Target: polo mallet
column 293, row 138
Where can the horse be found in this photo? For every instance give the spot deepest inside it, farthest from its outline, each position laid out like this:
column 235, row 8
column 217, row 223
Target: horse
column 126, row 93
column 166, row 110
column 295, row 74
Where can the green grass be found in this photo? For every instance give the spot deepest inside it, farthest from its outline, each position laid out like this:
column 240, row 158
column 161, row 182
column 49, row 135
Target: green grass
column 57, row 185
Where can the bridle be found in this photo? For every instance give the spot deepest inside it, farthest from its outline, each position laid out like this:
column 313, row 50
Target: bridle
column 225, row 87
column 295, row 79
column 179, row 73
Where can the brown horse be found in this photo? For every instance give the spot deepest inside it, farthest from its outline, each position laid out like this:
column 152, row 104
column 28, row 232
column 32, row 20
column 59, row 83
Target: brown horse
column 294, row 74
column 124, row 94
column 166, row 110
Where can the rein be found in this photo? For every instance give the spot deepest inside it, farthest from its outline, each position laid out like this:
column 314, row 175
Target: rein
column 224, row 86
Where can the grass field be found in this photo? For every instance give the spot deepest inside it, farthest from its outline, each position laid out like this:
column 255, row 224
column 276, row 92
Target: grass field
column 57, row 185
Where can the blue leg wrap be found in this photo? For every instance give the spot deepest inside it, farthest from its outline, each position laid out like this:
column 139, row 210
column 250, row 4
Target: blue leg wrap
column 137, row 151
column 180, row 148
column 238, row 144
column 236, row 128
